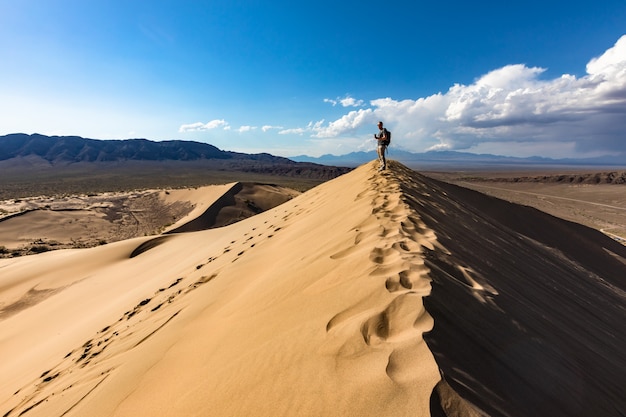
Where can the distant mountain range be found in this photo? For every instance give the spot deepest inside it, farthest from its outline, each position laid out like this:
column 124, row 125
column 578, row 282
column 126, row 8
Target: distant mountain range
column 58, row 151
column 452, row 159
column 63, row 150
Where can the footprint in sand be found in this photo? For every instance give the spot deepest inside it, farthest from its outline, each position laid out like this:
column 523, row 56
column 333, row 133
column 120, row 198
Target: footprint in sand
column 415, row 279
column 404, row 318
column 384, row 255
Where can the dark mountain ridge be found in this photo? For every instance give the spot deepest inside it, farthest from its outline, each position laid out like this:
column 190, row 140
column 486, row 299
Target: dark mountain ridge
column 51, row 165
column 58, row 149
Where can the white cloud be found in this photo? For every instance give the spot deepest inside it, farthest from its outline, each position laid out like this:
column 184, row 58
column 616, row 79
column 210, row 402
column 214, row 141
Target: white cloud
column 611, row 63
column 509, row 105
column 199, row 126
column 351, row 102
column 295, row 131
column 345, row 101
column 310, row 128
column 347, row 124
column 246, row 129
column 192, row 127
column 267, row 128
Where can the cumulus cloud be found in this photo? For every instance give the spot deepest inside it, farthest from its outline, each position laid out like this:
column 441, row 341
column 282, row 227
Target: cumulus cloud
column 310, row 128
column 246, row 129
column 345, row 101
column 199, row 126
column 347, row 124
column 293, row 131
column 512, row 105
column 267, row 128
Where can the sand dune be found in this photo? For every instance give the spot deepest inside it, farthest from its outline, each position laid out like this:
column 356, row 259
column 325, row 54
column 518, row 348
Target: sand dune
column 321, row 307
column 241, row 200
column 47, row 223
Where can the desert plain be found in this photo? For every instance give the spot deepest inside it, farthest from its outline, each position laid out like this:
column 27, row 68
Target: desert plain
column 595, row 197
column 372, row 294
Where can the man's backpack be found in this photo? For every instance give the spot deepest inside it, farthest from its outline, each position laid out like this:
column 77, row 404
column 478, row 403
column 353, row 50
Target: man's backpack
column 387, row 141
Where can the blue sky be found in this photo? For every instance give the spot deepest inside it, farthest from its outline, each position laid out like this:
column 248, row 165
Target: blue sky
column 543, row 78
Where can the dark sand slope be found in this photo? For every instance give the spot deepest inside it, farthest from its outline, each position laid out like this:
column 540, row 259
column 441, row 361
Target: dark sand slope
column 529, row 310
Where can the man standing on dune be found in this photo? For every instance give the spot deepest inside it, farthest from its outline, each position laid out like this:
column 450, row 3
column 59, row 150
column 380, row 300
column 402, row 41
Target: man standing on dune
column 383, row 141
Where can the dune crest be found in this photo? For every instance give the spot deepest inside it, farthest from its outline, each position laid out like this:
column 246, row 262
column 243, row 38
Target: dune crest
column 354, row 298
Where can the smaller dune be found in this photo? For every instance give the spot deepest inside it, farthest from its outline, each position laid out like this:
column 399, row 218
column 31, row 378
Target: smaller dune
column 240, row 201
column 41, row 224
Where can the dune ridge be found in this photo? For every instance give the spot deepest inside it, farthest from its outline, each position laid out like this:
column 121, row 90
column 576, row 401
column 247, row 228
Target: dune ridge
column 373, row 294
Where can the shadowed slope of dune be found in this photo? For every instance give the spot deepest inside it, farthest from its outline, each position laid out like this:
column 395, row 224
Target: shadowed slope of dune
column 316, row 308
column 529, row 309
column 208, row 219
